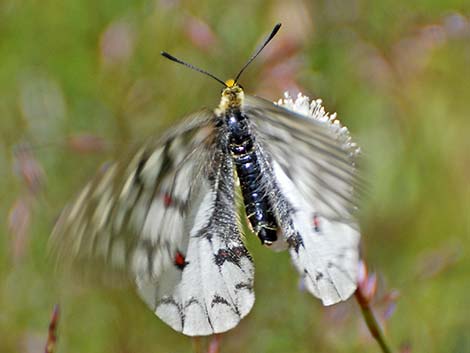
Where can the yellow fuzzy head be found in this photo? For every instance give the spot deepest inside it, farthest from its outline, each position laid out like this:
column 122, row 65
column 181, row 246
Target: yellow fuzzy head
column 231, row 98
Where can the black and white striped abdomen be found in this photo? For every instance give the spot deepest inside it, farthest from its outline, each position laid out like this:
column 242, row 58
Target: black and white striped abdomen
column 241, row 147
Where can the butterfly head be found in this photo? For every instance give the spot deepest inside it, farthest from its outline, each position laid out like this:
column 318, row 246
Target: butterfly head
column 232, row 96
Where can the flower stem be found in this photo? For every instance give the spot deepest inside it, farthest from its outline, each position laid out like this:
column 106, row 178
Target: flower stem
column 52, row 334
column 214, row 345
column 196, row 343
column 371, row 321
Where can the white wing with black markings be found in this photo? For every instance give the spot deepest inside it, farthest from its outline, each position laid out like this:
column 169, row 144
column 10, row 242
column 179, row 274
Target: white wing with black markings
column 167, row 217
column 216, row 286
column 314, row 180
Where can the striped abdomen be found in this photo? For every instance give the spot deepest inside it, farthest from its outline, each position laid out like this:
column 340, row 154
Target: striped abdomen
column 244, row 156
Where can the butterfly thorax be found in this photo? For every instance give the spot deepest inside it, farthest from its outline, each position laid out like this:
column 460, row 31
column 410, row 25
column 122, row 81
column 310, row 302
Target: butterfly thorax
column 241, row 144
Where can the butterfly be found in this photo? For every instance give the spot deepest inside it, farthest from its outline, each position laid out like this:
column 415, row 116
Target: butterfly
column 169, row 214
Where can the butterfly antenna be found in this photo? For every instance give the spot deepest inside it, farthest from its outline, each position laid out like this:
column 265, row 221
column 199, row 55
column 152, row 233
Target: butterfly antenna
column 176, row 60
column 260, row 48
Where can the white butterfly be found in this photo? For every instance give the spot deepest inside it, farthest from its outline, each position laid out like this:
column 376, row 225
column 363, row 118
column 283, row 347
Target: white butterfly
column 168, row 215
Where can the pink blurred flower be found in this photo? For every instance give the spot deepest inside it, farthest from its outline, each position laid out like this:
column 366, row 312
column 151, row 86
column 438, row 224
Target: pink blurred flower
column 199, row 33
column 28, row 169
column 86, row 143
column 116, row 43
column 19, row 221
column 366, row 284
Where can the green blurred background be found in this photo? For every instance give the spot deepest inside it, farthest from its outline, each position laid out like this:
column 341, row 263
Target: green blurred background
column 82, row 81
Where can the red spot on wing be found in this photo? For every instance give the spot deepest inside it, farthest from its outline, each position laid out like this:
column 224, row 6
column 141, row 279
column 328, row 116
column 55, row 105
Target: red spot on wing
column 316, row 223
column 167, row 200
column 180, row 260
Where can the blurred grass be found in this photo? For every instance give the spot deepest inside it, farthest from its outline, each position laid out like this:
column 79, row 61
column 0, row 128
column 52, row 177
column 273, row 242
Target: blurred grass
column 396, row 73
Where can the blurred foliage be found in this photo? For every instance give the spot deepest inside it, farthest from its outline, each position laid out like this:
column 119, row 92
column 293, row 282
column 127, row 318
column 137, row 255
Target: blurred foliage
column 82, row 81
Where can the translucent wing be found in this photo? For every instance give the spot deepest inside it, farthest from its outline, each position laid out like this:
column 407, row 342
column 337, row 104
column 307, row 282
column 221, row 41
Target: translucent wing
column 122, row 207
column 313, row 177
column 319, row 163
column 149, row 216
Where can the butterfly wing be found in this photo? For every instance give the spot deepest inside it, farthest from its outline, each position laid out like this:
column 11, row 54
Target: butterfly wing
column 159, row 216
column 119, row 209
column 320, row 164
column 314, row 177
column 216, row 288
column 324, row 250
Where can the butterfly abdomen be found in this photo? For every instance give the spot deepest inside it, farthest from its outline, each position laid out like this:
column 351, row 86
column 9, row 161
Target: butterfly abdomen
column 241, row 147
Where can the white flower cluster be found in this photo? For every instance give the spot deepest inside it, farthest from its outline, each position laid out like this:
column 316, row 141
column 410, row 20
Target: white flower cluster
column 314, row 109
